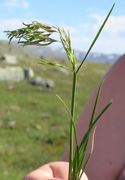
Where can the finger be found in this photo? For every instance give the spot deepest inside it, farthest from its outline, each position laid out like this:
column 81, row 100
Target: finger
column 84, row 177
column 60, row 169
column 43, row 173
column 55, row 179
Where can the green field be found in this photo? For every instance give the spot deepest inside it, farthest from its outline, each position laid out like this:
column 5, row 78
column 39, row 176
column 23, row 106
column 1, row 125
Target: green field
column 40, row 132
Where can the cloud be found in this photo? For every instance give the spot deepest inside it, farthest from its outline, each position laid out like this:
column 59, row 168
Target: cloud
column 115, row 25
column 69, row 28
column 10, row 24
column 16, row 4
column 111, row 40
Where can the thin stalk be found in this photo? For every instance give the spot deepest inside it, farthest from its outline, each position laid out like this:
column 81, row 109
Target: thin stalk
column 71, row 142
column 95, row 39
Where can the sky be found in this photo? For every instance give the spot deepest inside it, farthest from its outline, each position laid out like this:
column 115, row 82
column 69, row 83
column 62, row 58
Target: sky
column 82, row 18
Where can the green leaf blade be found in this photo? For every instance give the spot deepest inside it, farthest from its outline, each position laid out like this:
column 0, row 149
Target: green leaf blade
column 50, row 63
column 96, row 37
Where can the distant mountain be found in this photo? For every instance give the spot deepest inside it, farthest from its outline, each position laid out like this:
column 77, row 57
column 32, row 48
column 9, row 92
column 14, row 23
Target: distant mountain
column 58, row 53
column 99, row 57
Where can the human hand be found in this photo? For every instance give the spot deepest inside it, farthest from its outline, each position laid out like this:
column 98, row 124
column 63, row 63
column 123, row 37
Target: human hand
column 52, row 171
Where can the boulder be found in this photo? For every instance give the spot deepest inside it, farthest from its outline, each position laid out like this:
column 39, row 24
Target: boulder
column 38, row 81
column 28, row 73
column 49, row 84
column 11, row 74
column 42, row 83
column 8, row 59
column 15, row 73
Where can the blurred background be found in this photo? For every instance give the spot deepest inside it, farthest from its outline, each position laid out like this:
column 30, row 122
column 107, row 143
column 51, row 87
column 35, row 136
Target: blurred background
column 33, row 123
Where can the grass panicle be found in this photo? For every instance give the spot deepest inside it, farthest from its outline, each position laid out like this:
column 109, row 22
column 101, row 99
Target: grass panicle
column 33, row 34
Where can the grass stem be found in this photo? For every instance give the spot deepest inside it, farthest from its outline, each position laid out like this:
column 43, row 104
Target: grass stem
column 71, row 140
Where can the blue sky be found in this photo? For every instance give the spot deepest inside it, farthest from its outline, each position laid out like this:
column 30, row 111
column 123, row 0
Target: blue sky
column 82, row 18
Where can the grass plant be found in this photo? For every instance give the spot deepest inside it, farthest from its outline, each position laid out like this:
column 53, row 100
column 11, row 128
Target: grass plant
column 40, row 34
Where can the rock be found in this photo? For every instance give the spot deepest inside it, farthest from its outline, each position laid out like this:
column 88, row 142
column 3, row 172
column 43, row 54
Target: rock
column 11, row 124
column 38, row 81
column 15, row 73
column 8, row 59
column 28, row 73
column 49, row 84
column 11, row 74
column 42, row 83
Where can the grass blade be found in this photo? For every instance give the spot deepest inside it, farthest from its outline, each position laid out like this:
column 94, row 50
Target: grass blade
column 63, row 102
column 46, row 62
column 95, row 104
column 73, row 124
column 101, row 113
column 96, row 37
column 84, row 142
column 83, row 146
column 91, row 151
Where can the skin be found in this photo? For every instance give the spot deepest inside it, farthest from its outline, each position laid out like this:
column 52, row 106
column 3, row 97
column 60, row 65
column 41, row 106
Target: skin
column 108, row 158
column 51, row 171
column 58, row 171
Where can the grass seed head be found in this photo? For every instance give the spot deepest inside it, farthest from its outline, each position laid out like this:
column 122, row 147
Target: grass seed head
column 33, row 34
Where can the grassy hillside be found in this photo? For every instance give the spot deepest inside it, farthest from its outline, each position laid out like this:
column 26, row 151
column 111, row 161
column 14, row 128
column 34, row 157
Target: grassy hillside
column 40, row 130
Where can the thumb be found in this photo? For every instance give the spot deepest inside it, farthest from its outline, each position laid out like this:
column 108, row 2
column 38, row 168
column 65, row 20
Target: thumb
column 84, row 177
